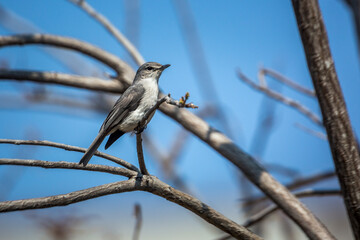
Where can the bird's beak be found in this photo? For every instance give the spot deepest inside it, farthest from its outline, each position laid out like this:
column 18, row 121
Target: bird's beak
column 165, row 66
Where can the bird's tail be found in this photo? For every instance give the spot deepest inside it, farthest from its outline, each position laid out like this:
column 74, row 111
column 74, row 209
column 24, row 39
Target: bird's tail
column 92, row 149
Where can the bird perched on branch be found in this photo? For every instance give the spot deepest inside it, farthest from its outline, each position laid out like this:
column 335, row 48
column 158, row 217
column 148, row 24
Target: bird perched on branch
column 130, row 108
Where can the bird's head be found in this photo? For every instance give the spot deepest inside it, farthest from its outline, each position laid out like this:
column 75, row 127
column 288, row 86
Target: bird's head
column 150, row 70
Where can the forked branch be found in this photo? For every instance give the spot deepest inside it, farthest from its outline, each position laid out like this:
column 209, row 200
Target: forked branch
column 135, row 183
column 222, row 144
column 111, row 29
column 278, row 97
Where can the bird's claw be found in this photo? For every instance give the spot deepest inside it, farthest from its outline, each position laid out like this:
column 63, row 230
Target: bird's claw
column 139, row 129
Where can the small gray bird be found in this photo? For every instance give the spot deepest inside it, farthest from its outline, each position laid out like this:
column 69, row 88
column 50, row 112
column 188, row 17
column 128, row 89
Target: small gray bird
column 130, row 108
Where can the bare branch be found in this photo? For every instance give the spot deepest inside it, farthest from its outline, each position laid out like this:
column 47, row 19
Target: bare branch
column 255, row 172
column 252, row 169
column 312, row 132
column 124, row 71
column 90, row 83
column 306, row 193
column 342, row 140
column 145, row 183
column 278, row 97
column 182, row 102
column 310, row 180
column 77, row 64
column 69, row 148
column 67, row 165
column 261, row 215
column 70, row 198
column 111, row 29
column 288, row 82
column 298, row 183
column 142, row 125
column 140, row 154
column 168, row 159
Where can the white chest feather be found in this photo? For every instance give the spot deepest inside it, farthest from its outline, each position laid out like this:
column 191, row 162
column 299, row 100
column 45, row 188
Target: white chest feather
column 148, row 100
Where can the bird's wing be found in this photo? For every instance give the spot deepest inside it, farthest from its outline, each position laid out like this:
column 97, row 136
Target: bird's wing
column 127, row 103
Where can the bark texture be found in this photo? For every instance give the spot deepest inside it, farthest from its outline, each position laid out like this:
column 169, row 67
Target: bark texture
column 342, row 141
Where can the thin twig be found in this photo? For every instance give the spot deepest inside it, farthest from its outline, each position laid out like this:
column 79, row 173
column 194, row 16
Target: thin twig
column 261, row 215
column 310, row 180
column 296, row 184
column 277, row 96
column 306, row 193
column 143, row 183
column 111, row 29
column 312, row 132
column 69, row 148
column 67, row 165
column 182, row 102
column 277, row 76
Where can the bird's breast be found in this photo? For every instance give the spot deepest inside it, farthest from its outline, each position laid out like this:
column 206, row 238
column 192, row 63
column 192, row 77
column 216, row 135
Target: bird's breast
column 147, row 101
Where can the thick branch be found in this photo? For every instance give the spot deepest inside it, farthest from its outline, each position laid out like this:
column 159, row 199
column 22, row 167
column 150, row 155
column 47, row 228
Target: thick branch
column 69, row 148
column 134, row 53
column 336, row 120
column 67, row 165
column 252, row 169
column 278, row 97
column 145, row 183
column 121, row 68
column 90, row 83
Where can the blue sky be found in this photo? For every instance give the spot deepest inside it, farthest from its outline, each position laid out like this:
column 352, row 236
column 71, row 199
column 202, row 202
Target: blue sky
column 234, row 34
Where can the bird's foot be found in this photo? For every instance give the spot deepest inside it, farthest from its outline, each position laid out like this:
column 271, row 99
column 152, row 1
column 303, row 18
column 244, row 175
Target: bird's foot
column 139, row 129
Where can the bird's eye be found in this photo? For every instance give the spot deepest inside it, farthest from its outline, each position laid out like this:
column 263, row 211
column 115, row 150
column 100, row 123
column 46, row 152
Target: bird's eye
column 149, row 68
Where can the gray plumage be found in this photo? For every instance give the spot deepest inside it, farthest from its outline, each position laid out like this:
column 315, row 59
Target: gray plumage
column 130, row 108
